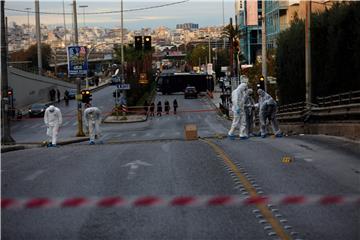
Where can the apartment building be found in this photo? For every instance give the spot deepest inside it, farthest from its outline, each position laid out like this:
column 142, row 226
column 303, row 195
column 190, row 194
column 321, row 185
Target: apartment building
column 248, row 21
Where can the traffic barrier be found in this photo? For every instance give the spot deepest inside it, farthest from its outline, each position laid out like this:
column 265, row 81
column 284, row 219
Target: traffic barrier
column 178, row 201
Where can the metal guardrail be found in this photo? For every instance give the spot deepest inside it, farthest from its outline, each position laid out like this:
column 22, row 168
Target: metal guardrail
column 338, row 107
column 339, row 99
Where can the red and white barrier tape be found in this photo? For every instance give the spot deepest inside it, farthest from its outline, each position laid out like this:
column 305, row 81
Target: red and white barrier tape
column 176, row 201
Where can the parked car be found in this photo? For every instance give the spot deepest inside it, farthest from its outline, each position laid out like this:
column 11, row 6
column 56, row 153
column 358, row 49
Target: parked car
column 37, row 109
column 72, row 93
column 190, row 92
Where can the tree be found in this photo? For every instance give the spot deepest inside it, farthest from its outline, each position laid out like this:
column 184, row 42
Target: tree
column 31, row 55
column 335, row 54
column 198, row 55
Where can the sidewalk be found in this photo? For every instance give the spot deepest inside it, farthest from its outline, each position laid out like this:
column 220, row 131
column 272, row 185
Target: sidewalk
column 23, row 146
column 128, row 119
column 216, row 101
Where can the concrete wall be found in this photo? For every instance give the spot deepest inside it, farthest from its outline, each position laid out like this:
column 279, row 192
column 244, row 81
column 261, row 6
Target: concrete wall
column 348, row 130
column 30, row 88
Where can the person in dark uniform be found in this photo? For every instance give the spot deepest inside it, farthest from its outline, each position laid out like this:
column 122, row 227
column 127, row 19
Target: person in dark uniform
column 146, row 107
column 175, row 105
column 58, row 95
column 167, row 107
column 159, row 109
column 152, row 109
column 66, row 97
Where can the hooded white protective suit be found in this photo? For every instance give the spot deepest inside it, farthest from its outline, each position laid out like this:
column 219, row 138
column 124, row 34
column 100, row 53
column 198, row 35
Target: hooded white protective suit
column 267, row 110
column 92, row 118
column 238, row 108
column 53, row 120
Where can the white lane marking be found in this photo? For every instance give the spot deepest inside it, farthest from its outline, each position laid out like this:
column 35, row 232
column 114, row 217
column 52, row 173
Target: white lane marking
column 75, row 123
column 148, row 134
column 308, row 159
column 162, row 134
column 66, row 123
column 133, row 135
column 165, row 147
column 133, row 166
column 36, row 126
column 34, row 175
column 177, row 133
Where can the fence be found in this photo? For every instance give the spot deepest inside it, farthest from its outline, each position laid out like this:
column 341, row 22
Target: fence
column 338, row 107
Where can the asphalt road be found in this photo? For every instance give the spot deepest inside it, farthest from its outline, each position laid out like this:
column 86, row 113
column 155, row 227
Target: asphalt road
column 168, row 165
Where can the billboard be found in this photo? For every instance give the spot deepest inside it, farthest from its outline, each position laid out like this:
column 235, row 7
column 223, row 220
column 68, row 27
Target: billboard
column 77, row 60
column 252, row 13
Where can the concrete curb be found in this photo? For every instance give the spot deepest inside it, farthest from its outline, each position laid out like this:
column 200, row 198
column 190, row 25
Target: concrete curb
column 5, row 149
column 28, row 145
column 123, row 122
column 217, row 108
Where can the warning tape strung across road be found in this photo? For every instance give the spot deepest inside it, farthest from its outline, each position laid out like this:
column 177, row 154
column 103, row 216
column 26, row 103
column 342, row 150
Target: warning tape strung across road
column 177, row 201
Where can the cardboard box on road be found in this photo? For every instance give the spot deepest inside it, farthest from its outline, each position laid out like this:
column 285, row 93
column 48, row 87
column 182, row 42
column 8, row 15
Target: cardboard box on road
column 191, row 132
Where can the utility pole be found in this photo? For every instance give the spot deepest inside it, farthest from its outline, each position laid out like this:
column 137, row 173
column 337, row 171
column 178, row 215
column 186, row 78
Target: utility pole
column 28, row 25
column 210, row 50
column 80, row 132
column 83, row 7
column 5, row 118
column 236, row 52
column 38, row 35
column 263, row 44
column 122, row 52
column 223, row 15
column 231, row 50
column 308, row 94
column 65, row 43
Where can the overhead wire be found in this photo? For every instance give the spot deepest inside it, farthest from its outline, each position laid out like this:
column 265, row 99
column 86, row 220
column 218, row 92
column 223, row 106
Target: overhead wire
column 104, row 12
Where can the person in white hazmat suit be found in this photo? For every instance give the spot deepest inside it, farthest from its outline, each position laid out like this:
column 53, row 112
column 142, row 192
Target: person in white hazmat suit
column 92, row 118
column 53, row 121
column 267, row 111
column 238, row 108
column 249, row 111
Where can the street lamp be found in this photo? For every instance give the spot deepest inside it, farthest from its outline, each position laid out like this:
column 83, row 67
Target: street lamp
column 28, row 25
column 209, row 37
column 83, row 7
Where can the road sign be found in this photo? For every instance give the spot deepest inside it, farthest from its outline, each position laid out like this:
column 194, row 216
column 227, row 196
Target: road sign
column 123, row 86
column 77, row 60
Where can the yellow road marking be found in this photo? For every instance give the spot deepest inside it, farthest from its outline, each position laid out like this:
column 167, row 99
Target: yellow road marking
column 279, row 230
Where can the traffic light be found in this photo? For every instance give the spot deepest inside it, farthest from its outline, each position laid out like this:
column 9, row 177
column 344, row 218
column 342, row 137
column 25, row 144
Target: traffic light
column 261, row 83
column 86, row 96
column 147, row 43
column 138, row 42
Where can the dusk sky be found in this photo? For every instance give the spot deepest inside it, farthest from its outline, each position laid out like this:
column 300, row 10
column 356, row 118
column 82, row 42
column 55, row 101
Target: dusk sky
column 203, row 12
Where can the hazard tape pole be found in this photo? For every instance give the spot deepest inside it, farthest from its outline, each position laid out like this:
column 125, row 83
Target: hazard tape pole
column 178, row 201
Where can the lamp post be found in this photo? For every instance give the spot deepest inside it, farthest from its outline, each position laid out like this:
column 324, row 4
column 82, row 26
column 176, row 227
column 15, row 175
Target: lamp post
column 64, row 22
column 38, row 35
column 83, row 7
column 5, row 118
column 122, row 52
column 263, row 43
column 80, row 132
column 308, row 95
column 210, row 49
column 28, row 25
